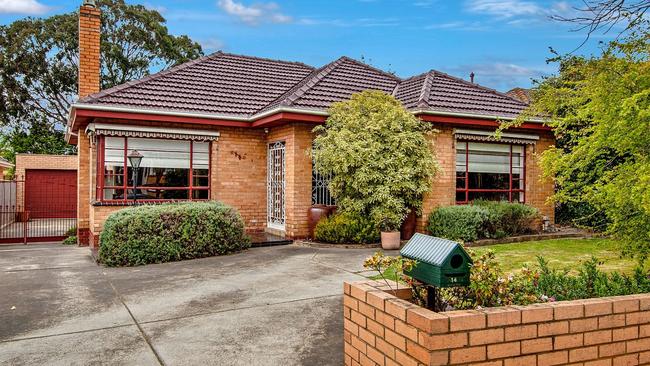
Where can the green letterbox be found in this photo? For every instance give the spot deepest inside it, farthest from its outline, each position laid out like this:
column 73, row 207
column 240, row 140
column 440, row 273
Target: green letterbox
column 440, row 262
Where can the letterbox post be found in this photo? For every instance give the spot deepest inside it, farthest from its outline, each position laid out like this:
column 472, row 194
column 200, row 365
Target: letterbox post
column 438, row 263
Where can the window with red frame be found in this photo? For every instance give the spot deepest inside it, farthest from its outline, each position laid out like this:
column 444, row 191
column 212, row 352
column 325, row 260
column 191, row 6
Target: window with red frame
column 490, row 171
column 170, row 169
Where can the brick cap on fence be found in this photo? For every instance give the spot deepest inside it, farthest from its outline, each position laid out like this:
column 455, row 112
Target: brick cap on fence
column 383, row 329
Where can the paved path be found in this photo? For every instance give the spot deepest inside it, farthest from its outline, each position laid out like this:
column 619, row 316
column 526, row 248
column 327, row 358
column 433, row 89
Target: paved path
column 264, row 306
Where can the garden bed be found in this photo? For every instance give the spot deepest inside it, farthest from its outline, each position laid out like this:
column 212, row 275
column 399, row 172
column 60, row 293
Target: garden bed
column 381, row 328
column 562, row 233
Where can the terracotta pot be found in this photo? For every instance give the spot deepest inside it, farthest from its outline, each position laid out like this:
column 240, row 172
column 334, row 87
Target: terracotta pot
column 331, row 210
column 408, row 226
column 390, row 240
column 314, row 215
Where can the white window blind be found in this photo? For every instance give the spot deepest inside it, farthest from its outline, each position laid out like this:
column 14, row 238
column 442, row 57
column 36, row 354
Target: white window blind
column 489, row 158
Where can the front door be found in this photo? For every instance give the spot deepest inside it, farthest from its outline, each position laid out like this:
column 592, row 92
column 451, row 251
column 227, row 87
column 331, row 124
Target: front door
column 275, row 186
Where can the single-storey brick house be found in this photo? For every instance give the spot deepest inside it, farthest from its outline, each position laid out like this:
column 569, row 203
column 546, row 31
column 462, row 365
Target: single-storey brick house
column 238, row 128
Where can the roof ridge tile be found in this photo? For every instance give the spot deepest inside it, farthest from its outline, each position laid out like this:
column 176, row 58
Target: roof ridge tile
column 386, row 73
column 299, row 89
column 427, row 84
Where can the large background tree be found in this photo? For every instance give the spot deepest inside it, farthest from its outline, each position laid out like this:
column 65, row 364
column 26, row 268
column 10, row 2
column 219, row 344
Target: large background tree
column 378, row 155
column 599, row 108
column 39, row 61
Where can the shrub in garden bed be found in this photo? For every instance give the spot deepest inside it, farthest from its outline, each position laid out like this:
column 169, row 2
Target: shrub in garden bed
column 481, row 220
column 491, row 287
column 171, row 232
column 346, row 228
column 466, row 222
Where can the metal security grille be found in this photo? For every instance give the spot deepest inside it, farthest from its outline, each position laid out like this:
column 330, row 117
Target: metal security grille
column 320, row 193
column 42, row 207
column 276, row 185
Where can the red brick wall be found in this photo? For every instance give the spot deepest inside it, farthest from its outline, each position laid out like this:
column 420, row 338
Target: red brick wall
column 298, row 138
column 380, row 329
column 239, row 173
column 538, row 189
column 239, row 159
column 444, row 184
column 238, row 176
column 443, row 192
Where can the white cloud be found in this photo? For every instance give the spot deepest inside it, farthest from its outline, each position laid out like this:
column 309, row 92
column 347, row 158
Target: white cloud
column 159, row 8
column 501, row 75
column 504, row 8
column 31, row 7
column 254, row 14
column 358, row 22
column 515, row 10
column 458, row 25
column 211, row 44
column 423, row 4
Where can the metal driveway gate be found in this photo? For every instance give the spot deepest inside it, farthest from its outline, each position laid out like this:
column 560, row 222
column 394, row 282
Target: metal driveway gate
column 41, row 208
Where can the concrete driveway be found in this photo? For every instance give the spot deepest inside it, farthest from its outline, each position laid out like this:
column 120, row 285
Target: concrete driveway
column 264, row 306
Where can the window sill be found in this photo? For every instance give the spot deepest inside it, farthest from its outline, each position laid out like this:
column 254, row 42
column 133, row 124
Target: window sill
column 138, row 203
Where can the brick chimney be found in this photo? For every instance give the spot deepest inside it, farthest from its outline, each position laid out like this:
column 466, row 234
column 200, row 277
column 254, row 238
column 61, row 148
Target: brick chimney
column 89, row 33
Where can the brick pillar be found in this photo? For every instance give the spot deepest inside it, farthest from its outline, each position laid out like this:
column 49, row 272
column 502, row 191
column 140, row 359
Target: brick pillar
column 298, row 189
column 89, row 74
column 298, row 139
column 89, row 36
column 443, row 191
column 83, row 188
column 538, row 188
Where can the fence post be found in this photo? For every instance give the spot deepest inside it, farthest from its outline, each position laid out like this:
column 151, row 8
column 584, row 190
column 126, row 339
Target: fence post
column 25, row 219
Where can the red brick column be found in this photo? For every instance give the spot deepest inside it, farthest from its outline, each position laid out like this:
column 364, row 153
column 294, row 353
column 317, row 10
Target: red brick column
column 381, row 329
column 89, row 76
column 298, row 141
column 443, row 191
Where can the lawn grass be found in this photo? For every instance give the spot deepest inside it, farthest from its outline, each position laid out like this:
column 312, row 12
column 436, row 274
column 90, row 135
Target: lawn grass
column 561, row 254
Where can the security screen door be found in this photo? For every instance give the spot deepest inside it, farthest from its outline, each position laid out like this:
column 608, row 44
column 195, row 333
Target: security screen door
column 275, row 186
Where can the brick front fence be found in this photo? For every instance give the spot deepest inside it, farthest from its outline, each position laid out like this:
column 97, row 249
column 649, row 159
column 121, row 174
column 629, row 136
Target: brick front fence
column 382, row 329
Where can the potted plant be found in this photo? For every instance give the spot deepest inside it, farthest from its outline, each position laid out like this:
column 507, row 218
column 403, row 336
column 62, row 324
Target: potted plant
column 389, row 225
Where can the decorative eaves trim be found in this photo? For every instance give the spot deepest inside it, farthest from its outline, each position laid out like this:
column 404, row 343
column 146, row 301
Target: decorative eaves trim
column 480, row 135
column 101, row 129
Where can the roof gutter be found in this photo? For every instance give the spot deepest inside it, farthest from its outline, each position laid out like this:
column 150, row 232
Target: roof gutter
column 258, row 116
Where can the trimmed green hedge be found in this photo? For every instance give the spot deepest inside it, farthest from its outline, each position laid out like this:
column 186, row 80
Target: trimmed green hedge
column 481, row 220
column 344, row 228
column 171, row 232
column 466, row 222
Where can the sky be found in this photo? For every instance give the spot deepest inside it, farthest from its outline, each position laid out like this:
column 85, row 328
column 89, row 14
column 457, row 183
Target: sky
column 504, row 42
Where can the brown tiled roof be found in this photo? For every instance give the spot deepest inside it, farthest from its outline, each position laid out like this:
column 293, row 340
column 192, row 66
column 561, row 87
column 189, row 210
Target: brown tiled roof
column 520, row 94
column 224, row 84
column 221, row 83
column 440, row 92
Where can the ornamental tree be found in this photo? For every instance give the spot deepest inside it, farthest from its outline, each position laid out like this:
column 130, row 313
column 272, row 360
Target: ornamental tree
column 379, row 156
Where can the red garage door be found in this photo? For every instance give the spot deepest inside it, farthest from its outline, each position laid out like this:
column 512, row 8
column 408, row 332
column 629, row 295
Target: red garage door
column 51, row 193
